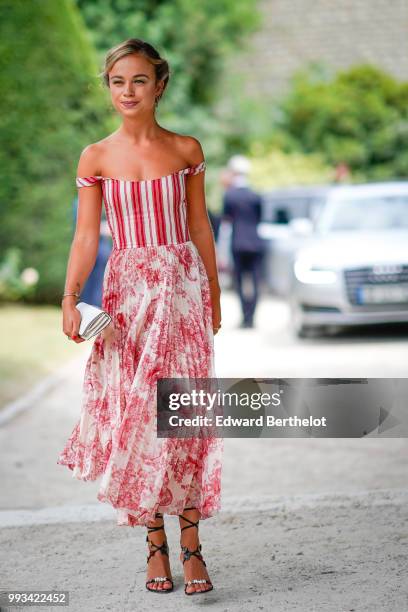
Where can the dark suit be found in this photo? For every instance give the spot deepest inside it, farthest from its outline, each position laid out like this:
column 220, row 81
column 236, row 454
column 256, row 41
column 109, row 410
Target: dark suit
column 243, row 207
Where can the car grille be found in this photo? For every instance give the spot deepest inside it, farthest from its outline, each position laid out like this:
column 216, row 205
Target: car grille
column 373, row 275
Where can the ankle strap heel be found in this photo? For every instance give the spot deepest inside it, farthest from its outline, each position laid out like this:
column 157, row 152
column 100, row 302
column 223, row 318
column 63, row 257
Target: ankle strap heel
column 164, row 549
column 187, row 554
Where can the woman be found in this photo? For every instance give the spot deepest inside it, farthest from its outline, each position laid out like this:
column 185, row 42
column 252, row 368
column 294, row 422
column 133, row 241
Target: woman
column 161, row 289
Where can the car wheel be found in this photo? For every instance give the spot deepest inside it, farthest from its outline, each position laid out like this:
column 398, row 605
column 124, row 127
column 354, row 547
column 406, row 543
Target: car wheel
column 311, row 331
column 298, row 327
column 303, row 331
column 308, row 331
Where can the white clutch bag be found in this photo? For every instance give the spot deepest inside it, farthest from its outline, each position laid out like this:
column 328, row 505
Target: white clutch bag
column 93, row 320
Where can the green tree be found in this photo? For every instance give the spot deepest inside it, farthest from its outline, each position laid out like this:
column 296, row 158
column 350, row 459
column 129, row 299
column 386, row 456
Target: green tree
column 359, row 116
column 49, row 109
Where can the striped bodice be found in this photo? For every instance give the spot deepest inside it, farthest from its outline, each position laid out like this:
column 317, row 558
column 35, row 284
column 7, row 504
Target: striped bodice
column 146, row 212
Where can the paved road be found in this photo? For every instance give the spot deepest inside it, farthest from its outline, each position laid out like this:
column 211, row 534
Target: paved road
column 335, row 553
column 272, row 350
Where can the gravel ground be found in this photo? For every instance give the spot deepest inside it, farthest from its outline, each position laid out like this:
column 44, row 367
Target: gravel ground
column 309, row 554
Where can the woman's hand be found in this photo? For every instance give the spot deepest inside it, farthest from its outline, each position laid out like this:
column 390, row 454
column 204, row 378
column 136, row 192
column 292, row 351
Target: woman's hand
column 216, row 307
column 71, row 319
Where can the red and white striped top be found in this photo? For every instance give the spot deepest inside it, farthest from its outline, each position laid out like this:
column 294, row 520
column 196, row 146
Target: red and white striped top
column 146, row 212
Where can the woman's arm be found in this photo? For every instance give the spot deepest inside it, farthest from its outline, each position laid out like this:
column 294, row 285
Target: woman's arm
column 200, row 229
column 85, row 243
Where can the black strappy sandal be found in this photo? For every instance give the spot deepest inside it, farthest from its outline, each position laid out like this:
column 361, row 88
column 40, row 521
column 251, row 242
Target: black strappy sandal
column 197, row 553
column 163, row 549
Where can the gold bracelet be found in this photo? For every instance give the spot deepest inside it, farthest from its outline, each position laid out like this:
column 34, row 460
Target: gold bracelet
column 74, row 293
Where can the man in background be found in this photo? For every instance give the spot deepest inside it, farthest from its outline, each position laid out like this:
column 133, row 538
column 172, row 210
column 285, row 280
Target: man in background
column 243, row 208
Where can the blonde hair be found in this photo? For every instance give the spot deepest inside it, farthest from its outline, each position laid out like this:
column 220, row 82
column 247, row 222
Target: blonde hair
column 141, row 47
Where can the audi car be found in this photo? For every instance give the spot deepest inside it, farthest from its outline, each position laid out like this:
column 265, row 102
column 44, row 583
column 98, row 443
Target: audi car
column 352, row 269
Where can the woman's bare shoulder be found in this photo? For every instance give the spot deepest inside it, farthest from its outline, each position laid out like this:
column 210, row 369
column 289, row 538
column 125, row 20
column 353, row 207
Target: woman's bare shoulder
column 188, row 147
column 89, row 159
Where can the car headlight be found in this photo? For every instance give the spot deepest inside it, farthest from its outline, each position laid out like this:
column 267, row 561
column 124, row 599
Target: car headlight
column 308, row 273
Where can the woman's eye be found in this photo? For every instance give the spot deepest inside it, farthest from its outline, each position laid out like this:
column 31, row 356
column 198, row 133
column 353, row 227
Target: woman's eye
column 120, row 83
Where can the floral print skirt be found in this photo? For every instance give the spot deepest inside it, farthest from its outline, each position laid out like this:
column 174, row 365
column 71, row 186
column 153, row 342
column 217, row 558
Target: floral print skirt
column 159, row 300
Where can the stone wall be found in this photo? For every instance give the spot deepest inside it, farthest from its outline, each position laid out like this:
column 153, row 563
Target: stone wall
column 340, row 32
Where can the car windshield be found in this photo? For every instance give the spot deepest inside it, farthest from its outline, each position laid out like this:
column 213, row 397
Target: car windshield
column 373, row 213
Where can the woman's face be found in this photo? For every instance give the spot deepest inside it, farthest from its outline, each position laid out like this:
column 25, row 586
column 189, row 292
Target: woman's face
column 132, row 80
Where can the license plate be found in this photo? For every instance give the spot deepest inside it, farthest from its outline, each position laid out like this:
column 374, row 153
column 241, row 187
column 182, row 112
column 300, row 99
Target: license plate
column 382, row 294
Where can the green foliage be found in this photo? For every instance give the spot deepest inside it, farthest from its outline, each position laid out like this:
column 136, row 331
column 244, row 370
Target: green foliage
column 358, row 116
column 195, row 38
column 14, row 282
column 275, row 168
column 49, row 109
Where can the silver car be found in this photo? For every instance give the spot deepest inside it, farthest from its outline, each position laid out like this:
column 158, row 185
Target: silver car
column 352, row 269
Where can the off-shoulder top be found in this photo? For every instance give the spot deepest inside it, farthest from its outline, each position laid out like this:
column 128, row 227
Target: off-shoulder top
column 147, row 212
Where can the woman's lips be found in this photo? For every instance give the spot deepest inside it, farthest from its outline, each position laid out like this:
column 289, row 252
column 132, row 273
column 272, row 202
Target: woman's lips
column 128, row 104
